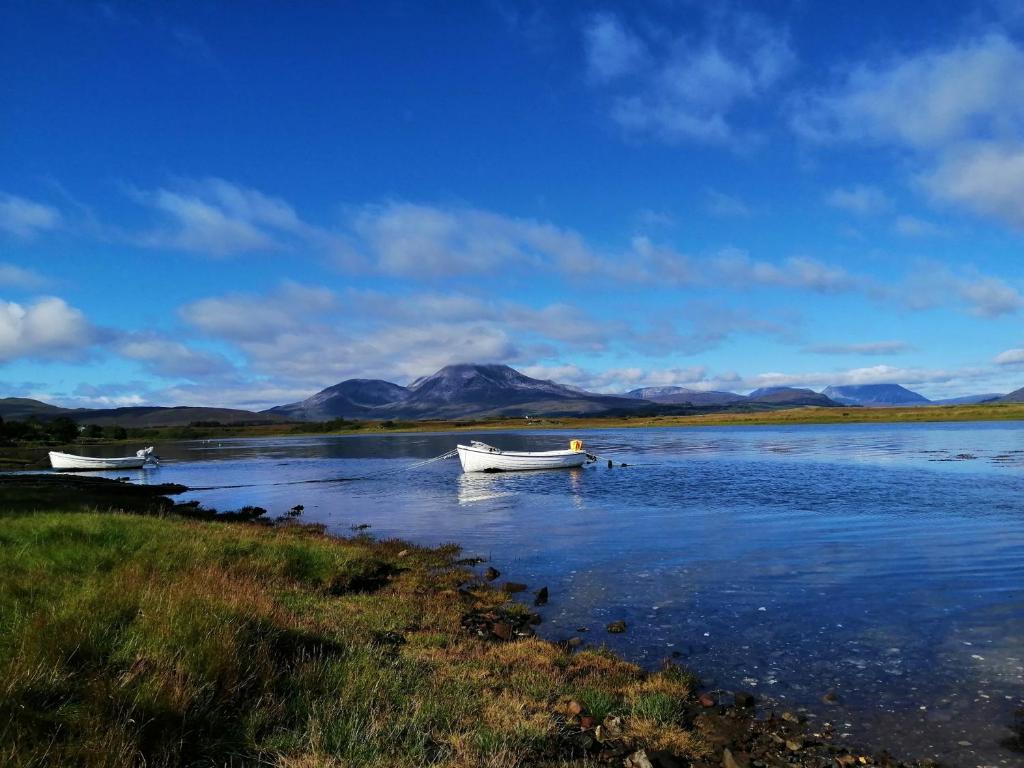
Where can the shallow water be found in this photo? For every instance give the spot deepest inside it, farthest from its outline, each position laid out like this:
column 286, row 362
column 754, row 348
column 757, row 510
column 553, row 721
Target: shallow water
column 885, row 562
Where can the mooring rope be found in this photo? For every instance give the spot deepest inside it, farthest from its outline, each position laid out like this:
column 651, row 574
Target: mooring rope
column 392, row 471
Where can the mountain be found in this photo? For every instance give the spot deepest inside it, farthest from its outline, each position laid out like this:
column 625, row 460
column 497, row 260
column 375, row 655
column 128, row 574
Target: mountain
column 684, row 395
column 874, row 395
column 969, row 399
column 789, row 396
column 352, row 398
column 469, row 389
column 1017, row 396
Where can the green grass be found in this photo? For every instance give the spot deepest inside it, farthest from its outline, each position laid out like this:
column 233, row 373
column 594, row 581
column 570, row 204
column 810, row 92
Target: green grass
column 138, row 640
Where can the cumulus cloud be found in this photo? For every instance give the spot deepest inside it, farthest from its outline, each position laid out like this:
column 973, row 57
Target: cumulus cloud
column 26, row 218
column 46, row 329
column 686, row 87
column 924, row 100
column 169, row 358
column 985, row 178
column 252, row 317
column 959, row 110
column 860, row 199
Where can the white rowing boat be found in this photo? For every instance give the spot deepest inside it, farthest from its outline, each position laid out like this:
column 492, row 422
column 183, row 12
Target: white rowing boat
column 71, row 462
column 481, row 457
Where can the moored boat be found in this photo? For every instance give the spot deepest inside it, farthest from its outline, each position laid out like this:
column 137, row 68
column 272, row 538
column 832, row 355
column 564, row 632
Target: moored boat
column 481, row 457
column 71, row 462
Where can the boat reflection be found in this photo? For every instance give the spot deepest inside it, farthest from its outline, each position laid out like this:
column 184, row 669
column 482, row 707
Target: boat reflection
column 475, row 487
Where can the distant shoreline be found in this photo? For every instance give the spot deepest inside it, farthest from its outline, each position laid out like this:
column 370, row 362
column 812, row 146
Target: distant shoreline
column 33, row 456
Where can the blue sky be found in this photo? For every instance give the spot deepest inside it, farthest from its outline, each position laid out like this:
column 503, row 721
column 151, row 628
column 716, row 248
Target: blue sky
column 238, row 205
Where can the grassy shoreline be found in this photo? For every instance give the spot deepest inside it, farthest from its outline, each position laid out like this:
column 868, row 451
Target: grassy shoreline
column 151, row 638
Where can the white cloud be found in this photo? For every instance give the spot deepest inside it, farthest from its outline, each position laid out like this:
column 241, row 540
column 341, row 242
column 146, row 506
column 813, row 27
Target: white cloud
column 13, row 276
column 862, row 348
column 26, row 218
column 959, row 111
column 737, row 269
column 1010, row 357
column 925, row 100
column 990, row 296
column 251, row 317
column 686, row 88
column 984, row 178
column 725, row 206
column 612, row 50
column 860, row 199
column 912, row 226
column 931, row 285
column 46, row 329
column 169, row 358
column 217, row 217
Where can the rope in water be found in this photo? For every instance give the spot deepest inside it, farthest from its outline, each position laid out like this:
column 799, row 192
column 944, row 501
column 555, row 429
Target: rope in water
column 407, row 467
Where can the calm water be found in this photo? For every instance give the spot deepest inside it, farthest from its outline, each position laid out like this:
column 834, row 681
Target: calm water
column 883, row 561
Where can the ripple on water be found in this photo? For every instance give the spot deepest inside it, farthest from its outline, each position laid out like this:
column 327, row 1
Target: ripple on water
column 885, row 562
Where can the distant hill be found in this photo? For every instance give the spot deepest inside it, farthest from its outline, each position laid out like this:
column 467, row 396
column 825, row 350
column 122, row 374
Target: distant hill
column 969, row 399
column 790, row 397
column 19, row 409
column 159, row 416
column 683, row 395
column 1017, row 396
column 455, row 391
column 351, row 399
column 469, row 389
column 874, row 395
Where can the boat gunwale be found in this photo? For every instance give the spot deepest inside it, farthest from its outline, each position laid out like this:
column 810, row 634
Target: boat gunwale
column 519, row 454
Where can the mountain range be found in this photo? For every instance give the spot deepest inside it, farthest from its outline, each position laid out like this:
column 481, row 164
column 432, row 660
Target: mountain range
column 476, row 391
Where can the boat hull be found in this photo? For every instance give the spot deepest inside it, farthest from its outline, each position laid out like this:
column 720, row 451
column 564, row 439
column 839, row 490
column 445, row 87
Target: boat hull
column 484, row 460
column 71, row 463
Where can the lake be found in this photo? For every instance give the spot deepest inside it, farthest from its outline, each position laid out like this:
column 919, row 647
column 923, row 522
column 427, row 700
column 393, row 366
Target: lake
column 882, row 562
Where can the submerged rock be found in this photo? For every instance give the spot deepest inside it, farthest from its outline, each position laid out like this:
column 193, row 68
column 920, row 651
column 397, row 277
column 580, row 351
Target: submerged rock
column 744, row 699
column 617, row 627
column 541, row 597
column 491, row 573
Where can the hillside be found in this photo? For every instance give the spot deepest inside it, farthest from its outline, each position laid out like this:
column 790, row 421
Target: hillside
column 789, row 397
column 350, row 399
column 874, row 395
column 475, row 390
column 685, row 396
column 19, row 409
